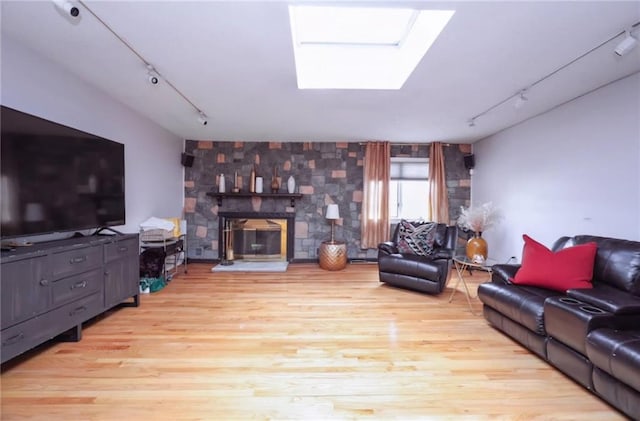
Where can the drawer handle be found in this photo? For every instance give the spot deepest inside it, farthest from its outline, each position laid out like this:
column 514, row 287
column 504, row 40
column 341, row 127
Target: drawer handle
column 14, row 339
column 82, row 284
column 44, row 282
column 123, row 249
column 78, row 310
column 78, row 259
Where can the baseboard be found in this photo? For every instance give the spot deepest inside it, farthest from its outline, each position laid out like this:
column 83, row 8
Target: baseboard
column 351, row 261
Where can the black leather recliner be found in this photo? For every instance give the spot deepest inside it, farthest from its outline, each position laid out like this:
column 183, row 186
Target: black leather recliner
column 421, row 273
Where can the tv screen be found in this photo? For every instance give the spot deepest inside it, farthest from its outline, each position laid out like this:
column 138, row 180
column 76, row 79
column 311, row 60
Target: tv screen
column 57, row 179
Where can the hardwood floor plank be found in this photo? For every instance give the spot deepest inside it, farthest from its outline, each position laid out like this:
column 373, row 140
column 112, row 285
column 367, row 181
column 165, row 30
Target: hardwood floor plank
column 304, row 344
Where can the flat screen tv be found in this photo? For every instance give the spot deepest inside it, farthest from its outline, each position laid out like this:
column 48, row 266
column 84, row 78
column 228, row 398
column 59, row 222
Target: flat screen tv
column 57, row 179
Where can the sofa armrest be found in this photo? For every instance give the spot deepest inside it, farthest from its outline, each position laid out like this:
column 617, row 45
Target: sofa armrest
column 442, row 254
column 387, row 247
column 608, row 298
column 503, row 273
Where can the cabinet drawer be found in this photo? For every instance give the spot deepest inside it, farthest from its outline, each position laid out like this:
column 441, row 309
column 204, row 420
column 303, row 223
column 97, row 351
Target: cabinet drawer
column 120, row 249
column 75, row 261
column 77, row 286
column 33, row 332
column 20, row 338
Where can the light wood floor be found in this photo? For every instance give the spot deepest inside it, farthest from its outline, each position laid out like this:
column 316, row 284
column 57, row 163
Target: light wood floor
column 305, row 344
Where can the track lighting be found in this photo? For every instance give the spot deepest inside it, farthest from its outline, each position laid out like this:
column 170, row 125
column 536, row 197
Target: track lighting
column 152, row 75
column 520, row 99
column 626, row 45
column 67, row 7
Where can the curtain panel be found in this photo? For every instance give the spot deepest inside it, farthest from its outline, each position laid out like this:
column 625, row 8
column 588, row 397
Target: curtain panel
column 438, row 195
column 375, row 207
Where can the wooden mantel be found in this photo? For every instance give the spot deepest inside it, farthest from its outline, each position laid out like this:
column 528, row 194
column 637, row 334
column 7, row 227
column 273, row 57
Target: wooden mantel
column 290, row 196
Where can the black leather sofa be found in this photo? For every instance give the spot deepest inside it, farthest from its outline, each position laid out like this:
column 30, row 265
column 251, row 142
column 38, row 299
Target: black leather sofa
column 591, row 335
column 420, row 273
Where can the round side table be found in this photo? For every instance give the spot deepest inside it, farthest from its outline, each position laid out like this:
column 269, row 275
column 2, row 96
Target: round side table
column 333, row 255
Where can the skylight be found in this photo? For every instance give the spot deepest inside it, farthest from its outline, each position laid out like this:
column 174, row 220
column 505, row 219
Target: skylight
column 361, row 48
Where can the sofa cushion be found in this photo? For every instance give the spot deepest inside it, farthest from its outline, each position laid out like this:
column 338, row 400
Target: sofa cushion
column 571, row 267
column 617, row 262
column 416, row 238
column 523, row 304
column 616, row 352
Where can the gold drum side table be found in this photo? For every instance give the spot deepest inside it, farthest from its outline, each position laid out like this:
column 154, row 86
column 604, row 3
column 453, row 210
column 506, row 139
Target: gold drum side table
column 333, row 255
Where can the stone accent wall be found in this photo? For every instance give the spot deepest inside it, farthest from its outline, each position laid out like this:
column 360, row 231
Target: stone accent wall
column 325, row 173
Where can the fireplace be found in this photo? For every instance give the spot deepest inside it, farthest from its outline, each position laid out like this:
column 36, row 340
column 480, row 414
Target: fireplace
column 256, row 236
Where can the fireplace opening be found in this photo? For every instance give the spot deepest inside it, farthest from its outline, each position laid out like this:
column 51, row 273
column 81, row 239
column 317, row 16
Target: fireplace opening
column 259, row 239
column 257, row 236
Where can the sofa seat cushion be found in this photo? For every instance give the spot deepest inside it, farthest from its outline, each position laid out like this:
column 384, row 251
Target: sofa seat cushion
column 522, row 304
column 409, row 265
column 616, row 352
column 608, row 298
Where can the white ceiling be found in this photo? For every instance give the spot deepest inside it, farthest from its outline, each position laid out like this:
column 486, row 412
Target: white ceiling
column 234, row 60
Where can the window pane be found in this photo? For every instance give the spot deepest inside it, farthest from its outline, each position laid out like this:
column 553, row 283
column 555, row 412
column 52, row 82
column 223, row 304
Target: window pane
column 393, row 199
column 414, row 199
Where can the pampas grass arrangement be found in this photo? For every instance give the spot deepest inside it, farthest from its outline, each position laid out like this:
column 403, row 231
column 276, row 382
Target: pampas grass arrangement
column 479, row 218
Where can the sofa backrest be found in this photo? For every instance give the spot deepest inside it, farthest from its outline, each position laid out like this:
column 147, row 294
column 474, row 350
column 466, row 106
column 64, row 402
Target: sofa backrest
column 446, row 236
column 617, row 261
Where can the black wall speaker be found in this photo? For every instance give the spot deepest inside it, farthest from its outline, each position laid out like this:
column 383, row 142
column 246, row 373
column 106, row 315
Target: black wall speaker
column 187, row 160
column 469, row 161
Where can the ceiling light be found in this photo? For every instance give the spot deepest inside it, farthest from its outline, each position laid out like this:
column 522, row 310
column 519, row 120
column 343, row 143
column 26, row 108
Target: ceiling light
column 152, row 75
column 626, row 45
column 361, row 47
column 67, row 7
column 521, row 99
column 202, row 118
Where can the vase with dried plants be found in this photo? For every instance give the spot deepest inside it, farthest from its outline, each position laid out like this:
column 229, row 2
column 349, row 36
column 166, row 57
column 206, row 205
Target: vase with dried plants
column 478, row 219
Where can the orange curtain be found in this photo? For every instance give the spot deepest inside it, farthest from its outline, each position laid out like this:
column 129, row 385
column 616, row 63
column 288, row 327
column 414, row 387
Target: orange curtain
column 374, row 223
column 438, row 196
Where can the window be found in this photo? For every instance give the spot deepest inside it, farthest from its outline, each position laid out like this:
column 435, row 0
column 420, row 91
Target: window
column 409, row 188
column 361, row 47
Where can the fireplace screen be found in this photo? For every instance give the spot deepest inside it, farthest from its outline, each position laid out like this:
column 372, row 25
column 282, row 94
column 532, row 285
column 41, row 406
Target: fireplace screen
column 259, row 239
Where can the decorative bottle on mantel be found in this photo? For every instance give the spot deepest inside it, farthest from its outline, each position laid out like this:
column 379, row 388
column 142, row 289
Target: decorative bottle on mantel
column 275, row 186
column 252, row 180
column 221, row 184
column 291, row 185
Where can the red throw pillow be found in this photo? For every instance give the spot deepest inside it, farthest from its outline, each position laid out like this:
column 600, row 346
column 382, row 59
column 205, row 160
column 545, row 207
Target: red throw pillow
column 565, row 269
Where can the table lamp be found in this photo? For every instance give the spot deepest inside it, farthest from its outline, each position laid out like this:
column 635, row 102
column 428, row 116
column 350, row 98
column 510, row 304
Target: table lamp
column 333, row 213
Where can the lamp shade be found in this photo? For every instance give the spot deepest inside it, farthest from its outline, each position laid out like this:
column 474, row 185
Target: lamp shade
column 333, row 212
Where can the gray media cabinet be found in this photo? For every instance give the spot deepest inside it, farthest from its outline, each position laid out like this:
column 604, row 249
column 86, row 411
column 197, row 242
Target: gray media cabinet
column 49, row 289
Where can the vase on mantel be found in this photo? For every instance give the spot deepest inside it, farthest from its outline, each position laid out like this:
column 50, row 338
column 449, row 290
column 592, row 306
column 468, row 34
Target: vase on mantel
column 477, row 248
column 275, row 185
column 291, row 185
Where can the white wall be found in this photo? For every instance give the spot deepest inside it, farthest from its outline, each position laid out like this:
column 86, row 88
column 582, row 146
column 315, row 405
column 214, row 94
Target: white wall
column 574, row 170
column 153, row 173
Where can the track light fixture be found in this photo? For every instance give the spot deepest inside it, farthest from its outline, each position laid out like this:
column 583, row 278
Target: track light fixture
column 521, row 99
column 202, row 118
column 67, row 7
column 626, row 45
column 152, row 75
